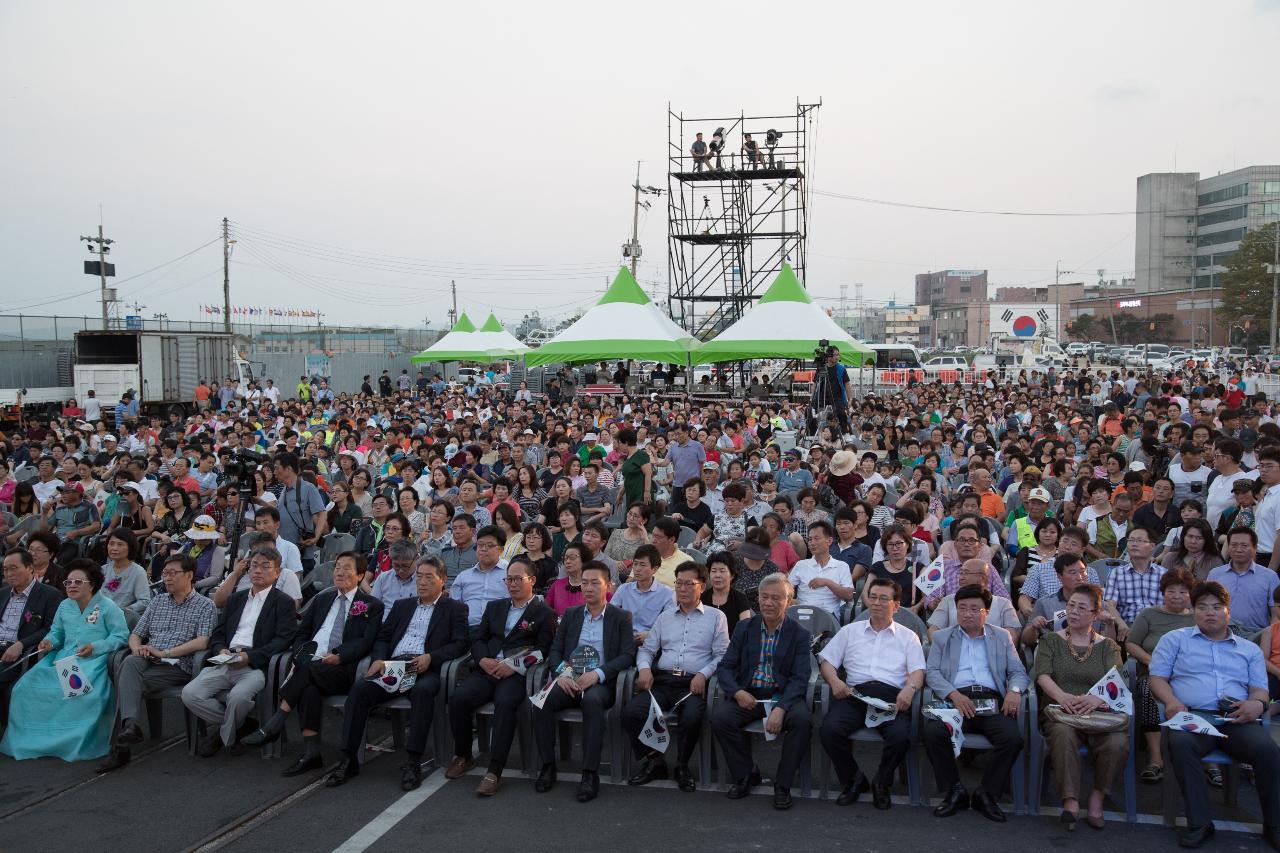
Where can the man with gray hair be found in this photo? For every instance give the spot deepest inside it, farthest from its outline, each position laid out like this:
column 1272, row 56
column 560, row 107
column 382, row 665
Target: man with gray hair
column 400, row 582
column 765, row 675
column 238, row 581
column 256, row 624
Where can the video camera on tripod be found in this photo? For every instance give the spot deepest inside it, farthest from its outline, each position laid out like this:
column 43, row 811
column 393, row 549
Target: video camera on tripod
column 240, row 471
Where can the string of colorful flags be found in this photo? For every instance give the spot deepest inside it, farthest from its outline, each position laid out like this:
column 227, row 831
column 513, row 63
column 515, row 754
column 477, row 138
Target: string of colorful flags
column 257, row 311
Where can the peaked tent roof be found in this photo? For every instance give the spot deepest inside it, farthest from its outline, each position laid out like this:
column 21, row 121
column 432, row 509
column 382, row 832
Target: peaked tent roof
column 461, row 343
column 784, row 324
column 623, row 324
column 498, row 341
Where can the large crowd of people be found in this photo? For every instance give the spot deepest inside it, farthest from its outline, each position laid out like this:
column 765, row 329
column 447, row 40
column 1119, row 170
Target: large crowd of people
column 540, row 550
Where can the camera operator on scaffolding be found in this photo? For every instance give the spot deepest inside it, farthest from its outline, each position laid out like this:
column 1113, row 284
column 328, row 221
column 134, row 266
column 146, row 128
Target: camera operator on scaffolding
column 837, row 390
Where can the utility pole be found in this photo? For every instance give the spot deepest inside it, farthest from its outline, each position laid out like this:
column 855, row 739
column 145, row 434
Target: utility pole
column 226, row 275
column 1057, row 300
column 631, row 249
column 453, row 312
column 1275, row 284
column 103, row 249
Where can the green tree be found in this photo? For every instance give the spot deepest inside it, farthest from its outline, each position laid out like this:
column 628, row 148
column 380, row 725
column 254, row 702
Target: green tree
column 1246, row 283
column 1083, row 328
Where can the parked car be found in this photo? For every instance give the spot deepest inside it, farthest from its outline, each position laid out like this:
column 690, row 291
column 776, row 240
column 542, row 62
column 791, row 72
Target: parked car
column 947, row 362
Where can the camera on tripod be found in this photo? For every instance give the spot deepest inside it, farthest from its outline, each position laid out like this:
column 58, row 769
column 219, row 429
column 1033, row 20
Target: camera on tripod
column 241, row 468
column 824, row 350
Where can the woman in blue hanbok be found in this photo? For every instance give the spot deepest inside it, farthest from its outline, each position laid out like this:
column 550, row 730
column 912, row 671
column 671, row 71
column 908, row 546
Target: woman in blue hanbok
column 42, row 722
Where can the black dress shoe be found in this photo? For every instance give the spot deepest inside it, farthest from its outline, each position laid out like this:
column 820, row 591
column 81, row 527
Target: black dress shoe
column 130, row 733
column 589, row 786
column 209, row 745
column 782, row 799
column 269, row 732
column 853, row 791
column 1272, row 836
column 986, row 805
column 1195, row 836
column 410, row 776
column 305, row 764
column 546, row 779
column 880, row 796
column 344, row 770
column 738, row 790
column 653, row 767
column 957, row 799
column 117, row 758
column 684, row 779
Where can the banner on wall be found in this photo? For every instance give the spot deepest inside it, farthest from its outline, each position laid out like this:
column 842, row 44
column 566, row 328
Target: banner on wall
column 1024, row 320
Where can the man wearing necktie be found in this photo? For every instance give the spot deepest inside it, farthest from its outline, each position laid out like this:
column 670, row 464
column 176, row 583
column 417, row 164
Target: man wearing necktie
column 342, row 624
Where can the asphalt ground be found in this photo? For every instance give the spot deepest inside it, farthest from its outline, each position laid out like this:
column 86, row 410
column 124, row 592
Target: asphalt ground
column 167, row 800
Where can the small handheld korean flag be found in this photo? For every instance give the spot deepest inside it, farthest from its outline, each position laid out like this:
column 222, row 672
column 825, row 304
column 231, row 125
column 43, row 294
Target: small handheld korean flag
column 954, row 721
column 931, row 578
column 73, row 680
column 1059, row 620
column 655, row 734
column 394, row 678
column 1194, row 723
column 538, row 699
column 523, row 659
column 876, row 716
column 1112, row 690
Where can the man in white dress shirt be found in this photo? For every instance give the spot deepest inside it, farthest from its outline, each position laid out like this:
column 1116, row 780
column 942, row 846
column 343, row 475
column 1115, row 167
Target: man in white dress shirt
column 822, row 580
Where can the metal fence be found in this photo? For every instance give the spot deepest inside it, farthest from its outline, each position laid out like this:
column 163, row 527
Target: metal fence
column 36, row 350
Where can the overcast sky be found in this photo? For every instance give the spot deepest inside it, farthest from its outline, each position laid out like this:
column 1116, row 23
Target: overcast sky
column 495, row 144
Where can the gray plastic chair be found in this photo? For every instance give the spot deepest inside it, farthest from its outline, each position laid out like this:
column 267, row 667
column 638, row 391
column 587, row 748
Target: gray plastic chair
column 154, row 700
column 1040, row 757
column 973, row 740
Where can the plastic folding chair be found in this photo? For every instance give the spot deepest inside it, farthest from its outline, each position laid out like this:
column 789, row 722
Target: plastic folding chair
column 1040, row 757
column 1018, row 786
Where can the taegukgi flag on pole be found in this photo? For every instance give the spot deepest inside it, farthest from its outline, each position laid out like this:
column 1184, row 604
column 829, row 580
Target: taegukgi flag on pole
column 655, row 733
column 74, row 681
column 954, row 721
column 931, row 578
column 1194, row 723
column 522, row 660
column 395, row 678
column 1112, row 690
column 538, row 699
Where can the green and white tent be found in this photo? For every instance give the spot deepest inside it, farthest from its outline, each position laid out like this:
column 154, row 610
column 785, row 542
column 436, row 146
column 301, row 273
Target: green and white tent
column 497, row 341
column 458, row 344
column 623, row 324
column 785, row 323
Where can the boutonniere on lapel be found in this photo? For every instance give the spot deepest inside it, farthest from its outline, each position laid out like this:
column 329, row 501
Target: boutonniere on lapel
column 524, row 625
column 31, row 618
column 113, row 584
column 359, row 608
column 94, row 614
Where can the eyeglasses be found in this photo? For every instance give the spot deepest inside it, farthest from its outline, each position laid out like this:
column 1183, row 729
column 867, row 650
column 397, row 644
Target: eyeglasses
column 73, row 582
column 1203, row 607
column 517, row 579
column 972, row 540
column 686, row 584
column 879, row 599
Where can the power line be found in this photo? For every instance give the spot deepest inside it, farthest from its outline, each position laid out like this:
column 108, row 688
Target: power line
column 984, row 212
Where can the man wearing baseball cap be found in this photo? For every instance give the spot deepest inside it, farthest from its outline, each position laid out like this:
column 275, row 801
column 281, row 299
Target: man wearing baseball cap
column 1022, row 533
column 73, row 519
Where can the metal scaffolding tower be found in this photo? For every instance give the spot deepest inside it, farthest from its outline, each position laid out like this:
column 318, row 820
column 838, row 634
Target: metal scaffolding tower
column 736, row 214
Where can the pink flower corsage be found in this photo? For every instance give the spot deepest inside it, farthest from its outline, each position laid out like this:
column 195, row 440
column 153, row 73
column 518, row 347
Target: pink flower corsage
column 31, row 617
column 113, row 584
column 92, row 618
column 524, row 625
column 359, row 608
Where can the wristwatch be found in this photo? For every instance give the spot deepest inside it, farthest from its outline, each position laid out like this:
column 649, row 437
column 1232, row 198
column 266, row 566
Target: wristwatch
column 1015, row 690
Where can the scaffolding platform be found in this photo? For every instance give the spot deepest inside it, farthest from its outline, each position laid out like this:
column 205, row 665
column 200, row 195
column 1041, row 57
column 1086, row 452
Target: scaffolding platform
column 764, row 173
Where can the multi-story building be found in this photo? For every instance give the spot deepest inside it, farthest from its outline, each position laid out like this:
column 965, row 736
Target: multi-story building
column 1188, row 227
column 900, row 324
column 951, row 287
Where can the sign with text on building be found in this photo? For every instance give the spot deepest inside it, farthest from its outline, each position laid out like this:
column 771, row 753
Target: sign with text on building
column 1024, row 320
column 1128, row 303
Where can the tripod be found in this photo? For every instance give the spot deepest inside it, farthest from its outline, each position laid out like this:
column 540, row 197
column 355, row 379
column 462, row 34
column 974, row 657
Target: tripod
column 822, row 405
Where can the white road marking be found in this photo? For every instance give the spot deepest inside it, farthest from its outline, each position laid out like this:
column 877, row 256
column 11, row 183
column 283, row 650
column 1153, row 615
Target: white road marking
column 391, row 815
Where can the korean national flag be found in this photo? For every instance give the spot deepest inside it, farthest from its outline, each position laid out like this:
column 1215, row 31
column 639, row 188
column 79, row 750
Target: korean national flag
column 954, row 721
column 74, row 681
column 876, row 716
column 1189, row 722
column 393, row 677
column 538, row 699
column 655, row 733
column 1112, row 690
column 931, row 578
column 522, row 660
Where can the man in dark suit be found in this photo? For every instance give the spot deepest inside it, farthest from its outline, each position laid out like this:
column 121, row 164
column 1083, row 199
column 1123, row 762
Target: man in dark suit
column 341, row 624
column 510, row 625
column 256, row 624
column 27, row 608
column 607, row 629
column 768, row 661
column 427, row 632
column 974, row 662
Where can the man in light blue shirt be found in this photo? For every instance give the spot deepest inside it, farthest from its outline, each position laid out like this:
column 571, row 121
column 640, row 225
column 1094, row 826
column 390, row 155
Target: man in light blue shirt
column 401, row 581
column 1222, row 678
column 686, row 456
column 1251, row 585
column 485, row 581
column 642, row 596
column 792, row 478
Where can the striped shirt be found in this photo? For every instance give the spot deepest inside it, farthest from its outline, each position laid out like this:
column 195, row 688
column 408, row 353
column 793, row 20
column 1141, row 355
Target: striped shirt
column 762, row 675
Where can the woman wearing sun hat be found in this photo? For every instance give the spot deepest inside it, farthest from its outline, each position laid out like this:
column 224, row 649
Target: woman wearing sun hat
column 202, row 541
